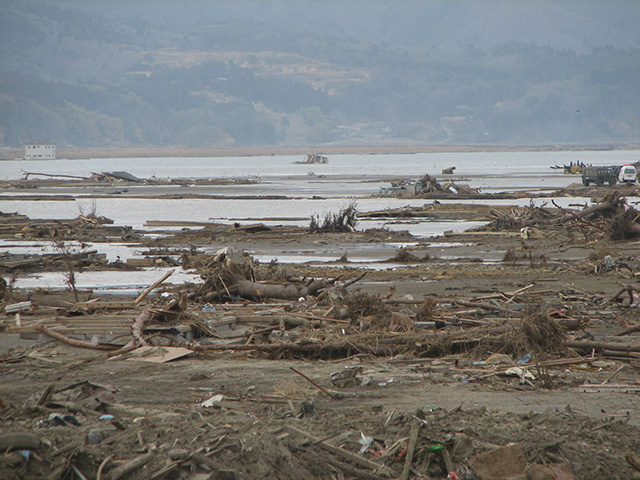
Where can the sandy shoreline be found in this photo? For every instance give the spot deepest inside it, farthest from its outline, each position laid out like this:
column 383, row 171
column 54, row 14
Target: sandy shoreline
column 73, row 154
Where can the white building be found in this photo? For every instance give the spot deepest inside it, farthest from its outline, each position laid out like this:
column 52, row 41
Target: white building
column 39, row 152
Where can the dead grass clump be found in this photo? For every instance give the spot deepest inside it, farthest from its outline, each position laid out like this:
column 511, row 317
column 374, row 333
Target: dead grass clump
column 625, row 225
column 343, row 221
column 362, row 304
column 427, row 309
column 271, row 271
column 543, row 335
column 510, row 256
column 293, row 390
column 401, row 322
column 514, row 256
column 405, row 256
column 538, row 334
column 601, row 252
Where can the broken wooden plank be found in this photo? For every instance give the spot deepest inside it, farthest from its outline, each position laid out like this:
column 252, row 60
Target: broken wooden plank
column 150, row 288
column 411, row 448
column 131, row 466
column 18, row 307
column 157, row 354
column 347, row 455
column 599, row 388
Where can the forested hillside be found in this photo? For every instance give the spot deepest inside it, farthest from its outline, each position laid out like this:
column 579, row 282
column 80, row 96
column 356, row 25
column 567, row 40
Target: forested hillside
column 251, row 73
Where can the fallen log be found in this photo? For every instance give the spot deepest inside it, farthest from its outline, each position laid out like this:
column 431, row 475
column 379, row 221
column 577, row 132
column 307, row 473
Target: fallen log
column 579, row 216
column 72, row 341
column 219, row 470
column 345, row 347
column 127, row 468
column 257, row 291
column 138, row 326
column 606, row 206
column 19, row 441
column 484, row 306
column 413, row 438
column 353, row 471
column 595, row 345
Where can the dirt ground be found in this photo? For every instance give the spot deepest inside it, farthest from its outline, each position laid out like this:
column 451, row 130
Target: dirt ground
column 415, row 371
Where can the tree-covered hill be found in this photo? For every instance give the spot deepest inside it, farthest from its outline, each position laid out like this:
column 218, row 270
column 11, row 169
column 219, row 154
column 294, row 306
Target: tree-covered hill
column 251, row 73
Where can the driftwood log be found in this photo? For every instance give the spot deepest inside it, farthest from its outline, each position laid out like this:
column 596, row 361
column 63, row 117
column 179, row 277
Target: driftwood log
column 19, row 441
column 257, row 291
column 595, row 345
column 72, row 341
column 124, row 470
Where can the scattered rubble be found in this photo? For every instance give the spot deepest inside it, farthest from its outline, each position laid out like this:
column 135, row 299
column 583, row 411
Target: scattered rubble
column 277, row 371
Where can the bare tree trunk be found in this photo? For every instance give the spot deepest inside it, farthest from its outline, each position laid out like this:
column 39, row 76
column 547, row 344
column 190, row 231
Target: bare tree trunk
column 257, row 291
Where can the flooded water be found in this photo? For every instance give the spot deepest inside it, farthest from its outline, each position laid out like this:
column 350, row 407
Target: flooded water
column 512, row 164
column 281, row 193
column 332, row 186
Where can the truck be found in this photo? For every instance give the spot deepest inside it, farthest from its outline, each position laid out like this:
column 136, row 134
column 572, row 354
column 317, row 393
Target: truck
column 600, row 175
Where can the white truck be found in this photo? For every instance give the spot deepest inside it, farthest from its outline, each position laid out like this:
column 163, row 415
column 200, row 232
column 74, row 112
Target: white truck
column 628, row 174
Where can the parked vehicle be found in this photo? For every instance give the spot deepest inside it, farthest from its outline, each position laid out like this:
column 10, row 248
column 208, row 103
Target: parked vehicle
column 600, row 175
column 628, row 174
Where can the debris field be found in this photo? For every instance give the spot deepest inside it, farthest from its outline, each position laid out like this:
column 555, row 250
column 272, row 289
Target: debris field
column 515, row 357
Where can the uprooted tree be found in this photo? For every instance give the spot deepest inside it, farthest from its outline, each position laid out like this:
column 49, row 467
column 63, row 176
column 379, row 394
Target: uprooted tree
column 343, row 221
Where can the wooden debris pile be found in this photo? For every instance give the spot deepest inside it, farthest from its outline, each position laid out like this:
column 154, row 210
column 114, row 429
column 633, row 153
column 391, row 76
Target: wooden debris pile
column 341, row 323
column 233, row 275
column 235, row 309
column 611, row 217
column 25, row 262
column 430, row 186
column 243, row 305
column 89, row 227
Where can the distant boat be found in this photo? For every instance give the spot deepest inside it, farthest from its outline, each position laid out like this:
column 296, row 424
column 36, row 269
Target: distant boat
column 314, row 159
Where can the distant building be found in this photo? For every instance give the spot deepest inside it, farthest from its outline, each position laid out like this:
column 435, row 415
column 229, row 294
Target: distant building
column 40, row 152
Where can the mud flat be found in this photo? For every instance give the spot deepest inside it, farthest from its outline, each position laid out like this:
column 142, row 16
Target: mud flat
column 506, row 350
column 331, row 150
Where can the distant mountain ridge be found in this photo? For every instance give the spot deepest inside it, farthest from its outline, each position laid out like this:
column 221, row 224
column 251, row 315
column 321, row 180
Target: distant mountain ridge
column 247, row 73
